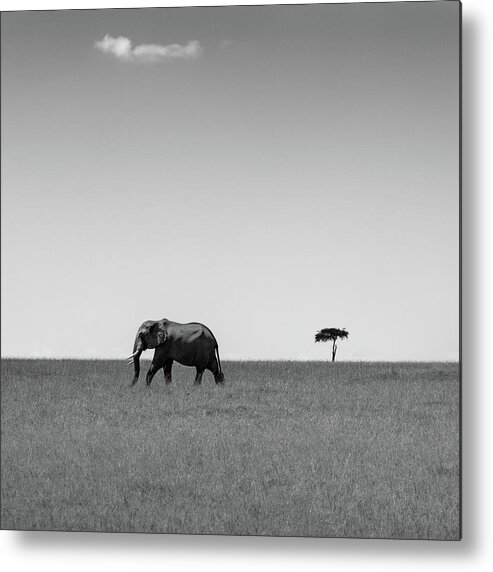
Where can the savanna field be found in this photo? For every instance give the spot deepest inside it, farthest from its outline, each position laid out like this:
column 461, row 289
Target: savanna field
column 346, row 449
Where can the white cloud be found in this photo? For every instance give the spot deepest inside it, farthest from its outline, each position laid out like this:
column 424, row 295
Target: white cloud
column 121, row 48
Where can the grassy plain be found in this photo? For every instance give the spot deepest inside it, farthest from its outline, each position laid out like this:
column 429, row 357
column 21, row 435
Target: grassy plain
column 283, row 448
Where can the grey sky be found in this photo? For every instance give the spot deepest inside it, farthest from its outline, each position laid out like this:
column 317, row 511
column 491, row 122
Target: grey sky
column 296, row 169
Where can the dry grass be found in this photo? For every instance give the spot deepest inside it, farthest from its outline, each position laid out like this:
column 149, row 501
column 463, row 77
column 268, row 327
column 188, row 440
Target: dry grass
column 284, row 448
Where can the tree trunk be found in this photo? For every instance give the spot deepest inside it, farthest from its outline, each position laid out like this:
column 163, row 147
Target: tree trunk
column 334, row 350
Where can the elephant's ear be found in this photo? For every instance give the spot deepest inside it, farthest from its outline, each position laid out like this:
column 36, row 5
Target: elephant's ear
column 161, row 334
column 158, row 333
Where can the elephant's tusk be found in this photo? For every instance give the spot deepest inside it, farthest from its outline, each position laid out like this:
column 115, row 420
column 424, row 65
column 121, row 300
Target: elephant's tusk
column 133, row 355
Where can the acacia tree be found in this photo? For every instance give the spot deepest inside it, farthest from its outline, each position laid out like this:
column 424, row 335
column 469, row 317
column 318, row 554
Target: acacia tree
column 332, row 334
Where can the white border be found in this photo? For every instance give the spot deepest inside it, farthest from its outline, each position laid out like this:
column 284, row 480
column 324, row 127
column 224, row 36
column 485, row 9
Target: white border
column 81, row 552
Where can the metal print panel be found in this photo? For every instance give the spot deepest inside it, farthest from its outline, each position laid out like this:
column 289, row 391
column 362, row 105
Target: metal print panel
column 259, row 206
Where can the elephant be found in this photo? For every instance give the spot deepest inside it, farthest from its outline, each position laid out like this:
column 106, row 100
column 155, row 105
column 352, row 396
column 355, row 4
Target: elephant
column 191, row 344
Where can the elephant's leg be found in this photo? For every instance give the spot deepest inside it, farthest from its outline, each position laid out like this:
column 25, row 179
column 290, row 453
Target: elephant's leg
column 168, row 364
column 198, row 377
column 152, row 372
column 216, row 372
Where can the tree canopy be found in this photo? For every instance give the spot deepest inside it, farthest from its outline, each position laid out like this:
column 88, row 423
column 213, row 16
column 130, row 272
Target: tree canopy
column 332, row 334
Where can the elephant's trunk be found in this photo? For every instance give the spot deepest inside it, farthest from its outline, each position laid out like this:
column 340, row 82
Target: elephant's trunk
column 135, row 358
column 136, row 368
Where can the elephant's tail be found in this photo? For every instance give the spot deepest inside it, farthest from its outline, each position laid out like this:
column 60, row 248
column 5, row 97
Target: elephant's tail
column 220, row 375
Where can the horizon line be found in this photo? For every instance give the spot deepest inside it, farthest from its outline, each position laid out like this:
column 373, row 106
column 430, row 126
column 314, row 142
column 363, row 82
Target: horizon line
column 224, row 360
